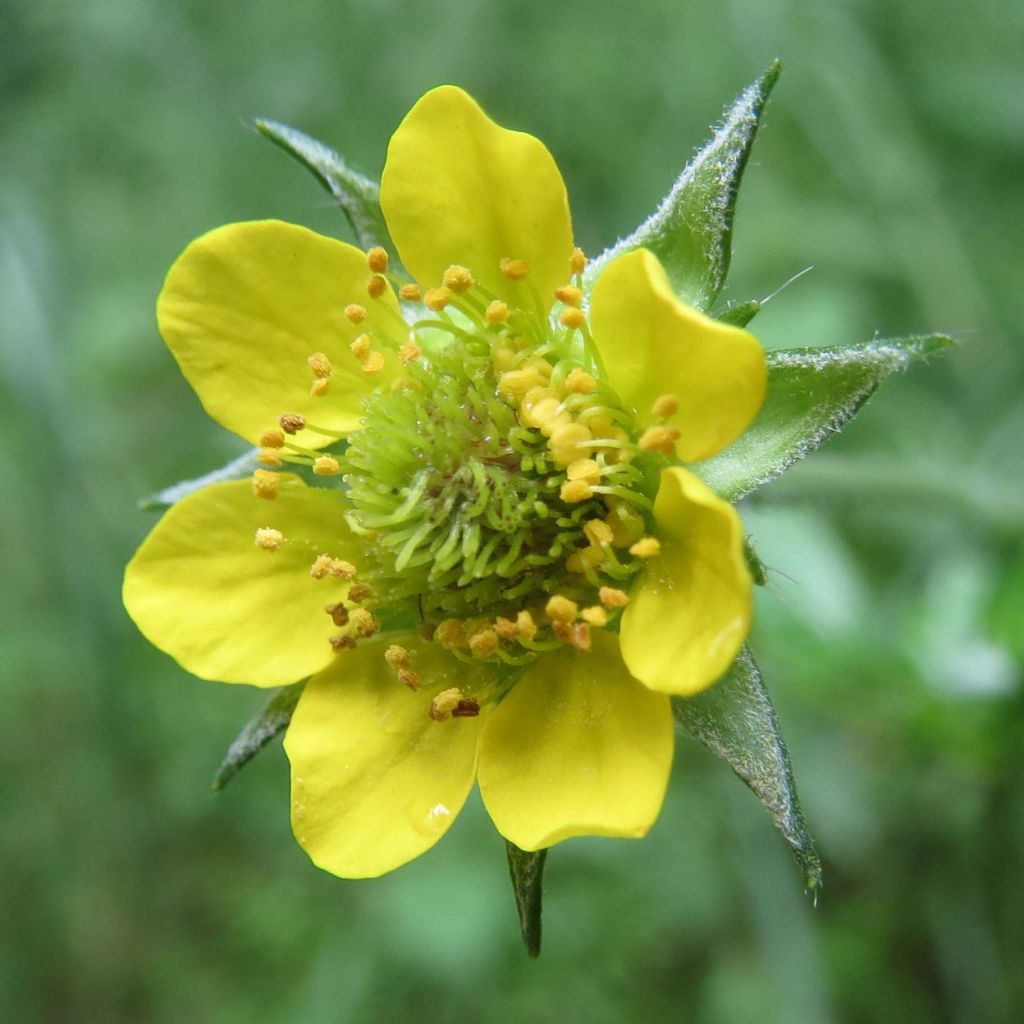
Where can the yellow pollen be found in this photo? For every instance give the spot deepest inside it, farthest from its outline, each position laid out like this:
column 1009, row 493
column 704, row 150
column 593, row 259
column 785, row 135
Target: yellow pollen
column 264, row 484
column 355, row 313
column 451, row 634
column 326, row 465
column 659, row 439
column 364, row 622
column 646, row 547
column 343, row 642
column 361, row 346
column 407, row 677
column 504, row 358
column 506, row 628
column 269, row 539
column 374, row 362
column 613, row 598
column 567, row 443
column 484, row 643
column 561, row 609
column 458, row 279
column 569, row 294
column 575, row 490
column 410, row 292
column 338, row 613
column 598, row 532
column 497, row 312
column 595, row 615
column 376, row 286
column 445, row 703
column 320, row 387
column 577, row 261
column 271, row 439
column 437, row 298
column 517, row 383
column 579, row 560
column 291, row 422
column 360, row 592
column 397, row 656
column 409, row 351
column 584, row 469
column 269, row 457
column 579, row 382
column 377, row 259
column 580, row 638
column 536, row 414
column 514, row 270
column 319, row 364
column 525, row 626
column 572, row 318
column 665, row 405
column 327, row 566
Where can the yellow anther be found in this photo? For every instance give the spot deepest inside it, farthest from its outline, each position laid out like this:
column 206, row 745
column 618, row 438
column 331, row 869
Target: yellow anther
column 665, row 405
column 517, row 383
column 568, row 443
column 271, row 439
column 269, row 539
column 580, row 638
column 457, row 278
column 626, row 526
column 364, row 623
column 575, row 490
column 291, row 422
column 506, row 628
column 525, row 626
column 504, row 358
column 360, row 592
column 577, row 261
column 484, row 643
column 361, row 346
column 496, row 312
column 374, row 362
column 579, row 382
column 355, row 313
column 410, row 351
column 646, row 547
column 514, row 270
column 343, row 642
column 338, row 613
column 598, row 532
column 451, row 633
column 611, row 597
column 407, row 677
column 584, row 469
column 397, row 656
column 445, row 703
column 269, row 457
column 264, row 484
column 326, row 465
column 410, row 292
column 320, row 387
column 572, row 318
column 376, row 286
column 569, row 294
column 595, row 615
column 659, row 439
column 437, row 298
column 319, row 364
column 561, row 609
column 580, row 559
column 324, row 565
column 377, row 259
column 536, row 414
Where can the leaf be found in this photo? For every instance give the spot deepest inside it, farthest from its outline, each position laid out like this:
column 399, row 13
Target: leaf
column 236, row 469
column 812, row 394
column 735, row 719
column 357, row 195
column 268, row 722
column 691, row 231
column 527, row 871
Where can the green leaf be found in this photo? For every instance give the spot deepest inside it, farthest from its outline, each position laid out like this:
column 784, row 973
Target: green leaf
column 268, row 722
column 527, row 872
column 357, row 195
column 236, row 469
column 735, row 719
column 812, row 394
column 691, row 231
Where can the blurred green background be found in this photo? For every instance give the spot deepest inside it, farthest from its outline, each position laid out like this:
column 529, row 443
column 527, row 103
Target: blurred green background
column 890, row 633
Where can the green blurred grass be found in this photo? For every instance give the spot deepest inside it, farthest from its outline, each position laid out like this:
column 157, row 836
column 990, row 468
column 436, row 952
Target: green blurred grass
column 890, row 161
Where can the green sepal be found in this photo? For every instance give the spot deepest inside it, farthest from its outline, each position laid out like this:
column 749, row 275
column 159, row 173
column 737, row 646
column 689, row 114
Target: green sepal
column 271, row 720
column 739, row 314
column 527, row 872
column 691, row 231
column 735, row 719
column 812, row 394
column 356, row 194
column 236, row 469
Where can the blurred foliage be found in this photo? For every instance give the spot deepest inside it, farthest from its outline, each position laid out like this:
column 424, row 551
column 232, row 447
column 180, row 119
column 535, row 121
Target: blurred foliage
column 890, row 632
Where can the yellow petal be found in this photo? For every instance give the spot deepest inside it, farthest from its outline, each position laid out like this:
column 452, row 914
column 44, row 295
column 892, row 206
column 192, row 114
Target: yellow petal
column 245, row 306
column 376, row 781
column 201, row 590
column 690, row 611
column 654, row 344
column 577, row 748
column 459, row 189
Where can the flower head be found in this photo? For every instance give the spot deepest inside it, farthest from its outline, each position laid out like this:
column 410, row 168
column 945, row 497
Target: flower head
column 485, row 548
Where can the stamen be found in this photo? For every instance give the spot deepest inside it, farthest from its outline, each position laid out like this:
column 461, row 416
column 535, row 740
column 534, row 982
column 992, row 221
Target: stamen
column 575, row 490
column 561, row 609
column 584, row 469
column 664, row 406
column 410, row 292
column 409, row 351
column 355, row 313
column 343, row 642
column 271, row 439
column 445, row 703
column 458, row 279
column 407, row 677
column 324, row 565
column 326, row 465
column 319, row 364
column 525, row 626
column 659, row 439
column 374, row 362
column 264, row 484
column 580, row 638
column 360, row 592
column 270, row 457
column 269, row 539
column 361, row 346
column 598, row 532
column 595, row 615
column 320, row 387
column 580, row 382
column 506, row 628
column 364, row 622
column 646, row 547
column 377, row 259
column 291, row 422
column 397, row 656
column 437, row 298
column 451, row 634
column 613, row 598
column 577, row 261
column 497, row 312
column 514, row 270
column 572, row 318
column 468, row 707
column 376, row 286
column 569, row 294
column 484, row 643
column 567, row 443
column 338, row 613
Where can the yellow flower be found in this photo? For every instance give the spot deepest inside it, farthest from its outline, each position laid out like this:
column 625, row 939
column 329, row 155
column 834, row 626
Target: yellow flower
column 501, row 569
